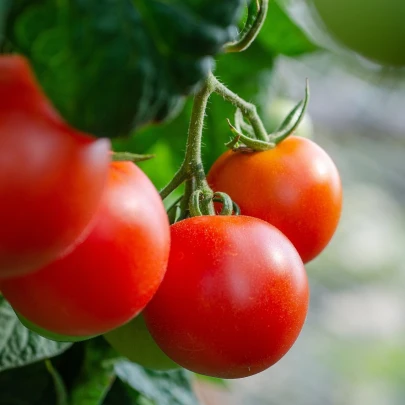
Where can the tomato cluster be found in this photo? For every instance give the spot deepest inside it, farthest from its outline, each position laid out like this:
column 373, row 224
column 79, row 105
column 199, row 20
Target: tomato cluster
column 86, row 246
column 84, row 241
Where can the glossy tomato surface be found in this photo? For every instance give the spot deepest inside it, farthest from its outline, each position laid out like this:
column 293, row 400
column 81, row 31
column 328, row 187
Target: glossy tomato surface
column 51, row 176
column 108, row 278
column 234, row 298
column 134, row 341
column 296, row 187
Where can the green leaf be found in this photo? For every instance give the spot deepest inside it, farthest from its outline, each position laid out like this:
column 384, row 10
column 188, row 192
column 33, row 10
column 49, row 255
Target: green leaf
column 30, row 385
column 60, row 388
column 18, row 345
column 4, row 9
column 120, row 395
column 97, row 375
column 113, row 65
column 280, row 35
column 163, row 388
column 212, row 380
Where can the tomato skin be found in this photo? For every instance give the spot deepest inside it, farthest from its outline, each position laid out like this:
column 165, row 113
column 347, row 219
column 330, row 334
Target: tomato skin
column 234, row 298
column 110, row 277
column 51, row 176
column 134, row 341
column 296, row 187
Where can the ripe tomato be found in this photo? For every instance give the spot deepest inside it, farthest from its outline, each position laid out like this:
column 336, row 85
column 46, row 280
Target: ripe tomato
column 234, row 298
column 295, row 187
column 373, row 28
column 109, row 277
column 134, row 341
column 51, row 176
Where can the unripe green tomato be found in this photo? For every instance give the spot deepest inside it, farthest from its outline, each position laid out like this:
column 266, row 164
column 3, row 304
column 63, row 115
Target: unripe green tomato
column 49, row 335
column 276, row 110
column 134, row 341
column 373, row 28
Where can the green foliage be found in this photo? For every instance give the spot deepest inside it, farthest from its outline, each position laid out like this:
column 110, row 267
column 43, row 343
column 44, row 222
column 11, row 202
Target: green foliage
column 282, row 36
column 96, row 375
column 18, row 345
column 91, row 373
column 162, row 387
column 82, row 375
column 113, row 66
column 29, row 385
column 4, row 9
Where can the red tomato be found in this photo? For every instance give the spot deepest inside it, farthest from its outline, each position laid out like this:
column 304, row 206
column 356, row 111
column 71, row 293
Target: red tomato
column 51, row 176
column 295, row 187
column 234, row 298
column 110, row 277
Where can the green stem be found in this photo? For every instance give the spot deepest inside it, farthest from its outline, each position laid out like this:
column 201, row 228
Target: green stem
column 178, row 179
column 254, row 24
column 192, row 169
column 254, row 144
column 198, row 195
column 188, row 191
column 248, row 110
column 193, row 162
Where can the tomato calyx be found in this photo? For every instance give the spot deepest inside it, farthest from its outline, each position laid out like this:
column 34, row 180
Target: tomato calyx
column 130, row 157
column 249, row 143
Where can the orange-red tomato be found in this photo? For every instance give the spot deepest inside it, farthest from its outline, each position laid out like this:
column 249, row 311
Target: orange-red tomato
column 109, row 277
column 234, row 298
column 296, row 187
column 51, row 176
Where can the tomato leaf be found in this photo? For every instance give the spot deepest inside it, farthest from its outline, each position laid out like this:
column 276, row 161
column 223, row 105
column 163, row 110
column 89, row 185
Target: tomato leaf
column 282, row 36
column 96, row 376
column 60, row 388
column 29, row 385
column 4, row 9
column 120, row 394
column 111, row 66
column 18, row 345
column 162, row 387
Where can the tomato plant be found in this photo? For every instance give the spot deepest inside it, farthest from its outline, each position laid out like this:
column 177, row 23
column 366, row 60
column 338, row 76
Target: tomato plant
column 51, row 176
column 295, row 186
column 373, row 28
column 234, row 298
column 109, row 277
column 134, row 341
column 236, row 293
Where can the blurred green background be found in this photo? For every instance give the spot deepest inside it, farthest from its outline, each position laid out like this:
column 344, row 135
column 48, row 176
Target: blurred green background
column 352, row 349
